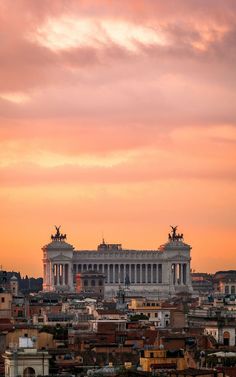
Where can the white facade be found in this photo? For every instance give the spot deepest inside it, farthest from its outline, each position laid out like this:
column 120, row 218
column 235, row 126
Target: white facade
column 162, row 272
column 221, row 334
column 152, row 309
column 227, row 287
column 26, row 362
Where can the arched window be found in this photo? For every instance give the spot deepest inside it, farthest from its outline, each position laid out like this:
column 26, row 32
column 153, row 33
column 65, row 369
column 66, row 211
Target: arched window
column 226, row 337
column 85, row 283
column 227, row 289
column 100, row 283
column 29, row 372
column 93, row 283
column 233, row 289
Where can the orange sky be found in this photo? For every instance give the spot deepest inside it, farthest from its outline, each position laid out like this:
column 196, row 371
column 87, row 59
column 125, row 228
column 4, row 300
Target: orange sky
column 117, row 120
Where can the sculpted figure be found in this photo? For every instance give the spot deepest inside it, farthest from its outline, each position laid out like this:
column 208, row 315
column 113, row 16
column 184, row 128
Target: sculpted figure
column 58, row 236
column 58, row 231
column 174, row 229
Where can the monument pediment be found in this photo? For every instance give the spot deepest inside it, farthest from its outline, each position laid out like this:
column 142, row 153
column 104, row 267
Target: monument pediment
column 60, row 257
column 178, row 257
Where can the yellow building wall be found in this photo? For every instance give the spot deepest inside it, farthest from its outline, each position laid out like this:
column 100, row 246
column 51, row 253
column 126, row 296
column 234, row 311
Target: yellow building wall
column 160, row 358
column 42, row 340
column 5, row 301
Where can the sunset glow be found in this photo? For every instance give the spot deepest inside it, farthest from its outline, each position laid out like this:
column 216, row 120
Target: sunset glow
column 118, row 121
column 66, row 33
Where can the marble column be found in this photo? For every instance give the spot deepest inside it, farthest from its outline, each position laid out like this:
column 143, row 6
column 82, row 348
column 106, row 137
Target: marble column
column 127, row 273
column 180, row 274
column 52, row 276
column 57, row 274
column 63, row 274
column 122, row 273
column 153, row 274
column 138, row 268
column 143, row 273
column 47, row 277
column 114, row 273
column 109, row 273
column 106, row 272
column 173, row 268
column 66, row 273
column 160, row 273
column 184, row 273
column 149, row 267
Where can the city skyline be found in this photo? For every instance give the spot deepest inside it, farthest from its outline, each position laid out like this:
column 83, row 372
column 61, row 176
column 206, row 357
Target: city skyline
column 116, row 122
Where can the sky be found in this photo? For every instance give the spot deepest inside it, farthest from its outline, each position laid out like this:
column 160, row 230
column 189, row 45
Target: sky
column 117, row 120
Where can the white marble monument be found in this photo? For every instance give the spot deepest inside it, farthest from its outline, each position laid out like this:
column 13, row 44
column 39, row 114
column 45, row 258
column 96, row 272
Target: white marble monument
column 161, row 273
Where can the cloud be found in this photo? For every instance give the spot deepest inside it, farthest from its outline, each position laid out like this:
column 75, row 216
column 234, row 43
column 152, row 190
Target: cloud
column 184, row 32
column 121, row 114
column 190, row 154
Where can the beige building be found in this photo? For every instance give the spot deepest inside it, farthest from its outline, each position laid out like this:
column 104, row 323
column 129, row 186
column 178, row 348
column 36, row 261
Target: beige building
column 152, row 310
column 41, row 339
column 154, row 359
column 91, row 282
column 14, row 285
column 5, row 304
column 26, row 362
column 225, row 282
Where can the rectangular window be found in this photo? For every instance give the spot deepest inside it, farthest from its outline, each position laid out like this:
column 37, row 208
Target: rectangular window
column 3, row 299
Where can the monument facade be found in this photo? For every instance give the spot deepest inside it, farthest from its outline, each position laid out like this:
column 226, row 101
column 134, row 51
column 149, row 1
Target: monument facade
column 162, row 272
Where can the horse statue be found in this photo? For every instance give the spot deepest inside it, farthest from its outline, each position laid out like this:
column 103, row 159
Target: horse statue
column 174, row 236
column 58, row 236
column 62, row 237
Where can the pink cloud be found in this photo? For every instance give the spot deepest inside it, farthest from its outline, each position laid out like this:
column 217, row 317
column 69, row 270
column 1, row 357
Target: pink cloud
column 158, row 104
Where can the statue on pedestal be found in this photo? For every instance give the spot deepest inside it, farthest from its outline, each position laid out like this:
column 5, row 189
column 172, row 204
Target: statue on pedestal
column 58, row 236
column 173, row 236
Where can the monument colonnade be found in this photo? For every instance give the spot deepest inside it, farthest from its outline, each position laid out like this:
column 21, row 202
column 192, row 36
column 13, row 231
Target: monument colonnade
column 137, row 273
column 167, row 268
column 58, row 273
